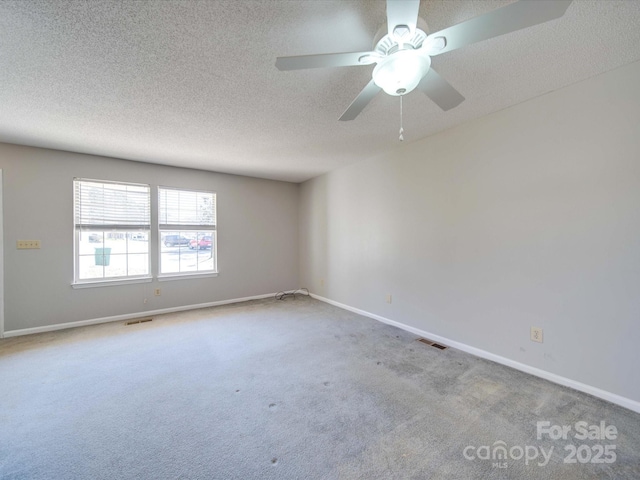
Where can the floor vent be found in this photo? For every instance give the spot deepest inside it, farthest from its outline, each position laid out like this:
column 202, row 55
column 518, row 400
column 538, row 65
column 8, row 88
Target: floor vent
column 432, row 344
column 140, row 320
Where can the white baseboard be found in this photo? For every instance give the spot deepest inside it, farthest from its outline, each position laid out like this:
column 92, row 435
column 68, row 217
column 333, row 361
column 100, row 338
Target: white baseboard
column 129, row 316
column 552, row 377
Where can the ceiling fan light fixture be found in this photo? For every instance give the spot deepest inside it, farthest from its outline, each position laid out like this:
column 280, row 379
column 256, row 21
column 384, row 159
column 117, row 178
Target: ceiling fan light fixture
column 401, row 72
column 403, row 51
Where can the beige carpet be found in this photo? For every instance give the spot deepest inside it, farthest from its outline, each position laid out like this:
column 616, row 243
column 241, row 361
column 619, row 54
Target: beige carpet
column 292, row 389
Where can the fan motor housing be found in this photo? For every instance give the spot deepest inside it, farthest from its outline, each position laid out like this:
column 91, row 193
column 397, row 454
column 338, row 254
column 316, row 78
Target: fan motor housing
column 388, row 44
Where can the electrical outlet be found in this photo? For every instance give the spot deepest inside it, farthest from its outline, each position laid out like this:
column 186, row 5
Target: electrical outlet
column 144, row 301
column 156, row 292
column 388, row 298
column 27, row 244
column 536, row 334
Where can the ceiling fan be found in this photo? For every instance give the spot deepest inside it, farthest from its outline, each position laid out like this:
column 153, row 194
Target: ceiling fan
column 403, row 55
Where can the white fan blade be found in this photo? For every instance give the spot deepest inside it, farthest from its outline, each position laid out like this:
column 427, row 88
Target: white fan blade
column 440, row 91
column 325, row 60
column 402, row 12
column 361, row 101
column 516, row 16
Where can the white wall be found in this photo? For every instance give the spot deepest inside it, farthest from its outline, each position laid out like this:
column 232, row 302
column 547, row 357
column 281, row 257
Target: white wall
column 257, row 238
column 528, row 217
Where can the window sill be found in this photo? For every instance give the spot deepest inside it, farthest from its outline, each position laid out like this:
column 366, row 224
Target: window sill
column 185, row 276
column 110, row 283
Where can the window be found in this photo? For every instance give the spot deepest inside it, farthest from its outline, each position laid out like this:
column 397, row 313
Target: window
column 112, row 225
column 187, row 225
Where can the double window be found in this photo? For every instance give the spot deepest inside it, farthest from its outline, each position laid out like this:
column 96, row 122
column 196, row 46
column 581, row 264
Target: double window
column 113, row 232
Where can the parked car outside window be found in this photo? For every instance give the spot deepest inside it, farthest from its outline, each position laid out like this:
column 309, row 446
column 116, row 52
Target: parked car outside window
column 203, row 243
column 173, row 240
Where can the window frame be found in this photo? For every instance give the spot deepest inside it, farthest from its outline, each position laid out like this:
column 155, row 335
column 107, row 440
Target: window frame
column 78, row 230
column 180, row 228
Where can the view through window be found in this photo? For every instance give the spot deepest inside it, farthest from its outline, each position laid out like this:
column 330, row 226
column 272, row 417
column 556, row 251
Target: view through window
column 187, row 226
column 112, row 226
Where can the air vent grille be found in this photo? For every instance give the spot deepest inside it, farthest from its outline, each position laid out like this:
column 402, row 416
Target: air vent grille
column 139, row 320
column 431, row 343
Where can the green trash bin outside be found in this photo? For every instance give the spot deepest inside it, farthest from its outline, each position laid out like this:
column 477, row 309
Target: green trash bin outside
column 103, row 256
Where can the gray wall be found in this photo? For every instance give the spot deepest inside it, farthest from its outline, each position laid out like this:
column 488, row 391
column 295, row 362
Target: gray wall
column 257, row 238
column 528, row 217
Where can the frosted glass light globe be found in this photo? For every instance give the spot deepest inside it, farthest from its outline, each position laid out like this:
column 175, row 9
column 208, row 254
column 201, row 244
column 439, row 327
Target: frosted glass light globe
column 401, row 72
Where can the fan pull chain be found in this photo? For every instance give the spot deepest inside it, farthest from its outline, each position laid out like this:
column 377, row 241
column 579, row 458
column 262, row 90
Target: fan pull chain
column 401, row 129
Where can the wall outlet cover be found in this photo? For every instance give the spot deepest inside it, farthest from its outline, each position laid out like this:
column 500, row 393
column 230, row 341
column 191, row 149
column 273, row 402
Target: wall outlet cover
column 27, row 244
column 536, row 334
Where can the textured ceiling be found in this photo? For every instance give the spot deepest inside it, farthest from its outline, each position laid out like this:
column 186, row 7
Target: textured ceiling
column 193, row 83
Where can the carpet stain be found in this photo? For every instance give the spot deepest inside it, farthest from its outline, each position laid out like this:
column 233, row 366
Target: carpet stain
column 406, row 368
column 484, row 388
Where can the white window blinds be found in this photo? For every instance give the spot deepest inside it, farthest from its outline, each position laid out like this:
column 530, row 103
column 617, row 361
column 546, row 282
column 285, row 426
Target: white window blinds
column 186, row 209
column 101, row 205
